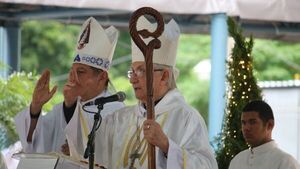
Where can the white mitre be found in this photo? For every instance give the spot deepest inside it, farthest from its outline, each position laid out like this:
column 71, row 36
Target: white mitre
column 166, row 54
column 96, row 46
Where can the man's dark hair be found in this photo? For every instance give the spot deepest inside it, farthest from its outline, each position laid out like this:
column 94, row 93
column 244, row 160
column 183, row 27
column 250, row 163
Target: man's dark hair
column 264, row 110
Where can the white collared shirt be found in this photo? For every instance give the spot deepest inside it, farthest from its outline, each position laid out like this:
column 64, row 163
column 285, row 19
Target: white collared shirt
column 266, row 156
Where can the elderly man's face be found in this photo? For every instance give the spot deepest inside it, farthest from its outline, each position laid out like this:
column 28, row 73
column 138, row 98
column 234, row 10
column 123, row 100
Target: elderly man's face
column 138, row 80
column 87, row 81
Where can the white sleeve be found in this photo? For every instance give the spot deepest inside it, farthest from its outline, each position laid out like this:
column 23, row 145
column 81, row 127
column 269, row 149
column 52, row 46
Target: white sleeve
column 288, row 162
column 196, row 150
column 192, row 149
column 22, row 122
column 173, row 159
column 233, row 163
column 2, row 162
column 46, row 134
column 186, row 156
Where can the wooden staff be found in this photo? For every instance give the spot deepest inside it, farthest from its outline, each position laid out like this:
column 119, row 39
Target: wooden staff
column 147, row 51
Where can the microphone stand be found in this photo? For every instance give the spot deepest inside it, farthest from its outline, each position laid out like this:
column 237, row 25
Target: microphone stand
column 90, row 147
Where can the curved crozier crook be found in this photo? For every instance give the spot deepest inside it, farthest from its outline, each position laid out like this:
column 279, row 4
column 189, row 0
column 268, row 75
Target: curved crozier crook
column 147, row 51
column 154, row 43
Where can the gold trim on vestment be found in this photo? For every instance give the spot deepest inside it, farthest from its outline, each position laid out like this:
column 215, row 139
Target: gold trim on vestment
column 137, row 146
column 84, row 127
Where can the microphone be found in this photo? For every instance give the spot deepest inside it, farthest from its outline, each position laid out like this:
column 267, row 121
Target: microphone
column 120, row 96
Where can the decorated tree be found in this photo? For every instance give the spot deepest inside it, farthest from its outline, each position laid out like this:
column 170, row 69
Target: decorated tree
column 241, row 88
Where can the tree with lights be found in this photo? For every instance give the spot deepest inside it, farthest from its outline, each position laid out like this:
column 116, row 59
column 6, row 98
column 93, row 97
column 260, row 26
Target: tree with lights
column 241, row 88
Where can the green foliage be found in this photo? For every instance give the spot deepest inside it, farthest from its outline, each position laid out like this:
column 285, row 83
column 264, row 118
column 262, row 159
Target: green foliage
column 196, row 93
column 242, row 88
column 122, row 83
column 15, row 95
column 191, row 50
column 2, row 65
column 47, row 44
column 275, row 60
column 122, row 56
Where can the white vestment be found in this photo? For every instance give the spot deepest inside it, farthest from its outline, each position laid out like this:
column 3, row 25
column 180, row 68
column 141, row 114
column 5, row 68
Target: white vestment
column 52, row 129
column 266, row 156
column 2, row 162
column 120, row 137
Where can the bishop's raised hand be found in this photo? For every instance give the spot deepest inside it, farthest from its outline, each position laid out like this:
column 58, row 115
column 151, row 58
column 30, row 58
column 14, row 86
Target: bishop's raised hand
column 42, row 93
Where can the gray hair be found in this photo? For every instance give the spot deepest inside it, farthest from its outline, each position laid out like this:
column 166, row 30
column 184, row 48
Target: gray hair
column 171, row 81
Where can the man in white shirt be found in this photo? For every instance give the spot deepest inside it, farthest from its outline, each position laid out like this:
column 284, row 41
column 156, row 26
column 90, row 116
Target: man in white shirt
column 257, row 125
column 178, row 131
column 88, row 80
